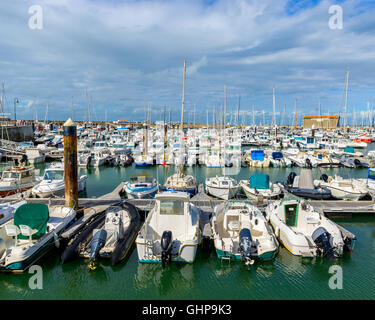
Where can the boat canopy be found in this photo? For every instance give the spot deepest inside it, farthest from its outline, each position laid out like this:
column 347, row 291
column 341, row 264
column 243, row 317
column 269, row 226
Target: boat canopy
column 349, row 150
column 305, row 179
column 257, row 155
column 33, row 215
column 277, row 155
column 260, row 181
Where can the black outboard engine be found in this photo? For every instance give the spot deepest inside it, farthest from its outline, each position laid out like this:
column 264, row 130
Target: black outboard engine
column 308, row 163
column 245, row 246
column 88, row 161
column 290, row 178
column 24, row 159
column 357, row 163
column 166, row 247
column 98, row 241
column 324, row 177
column 322, row 239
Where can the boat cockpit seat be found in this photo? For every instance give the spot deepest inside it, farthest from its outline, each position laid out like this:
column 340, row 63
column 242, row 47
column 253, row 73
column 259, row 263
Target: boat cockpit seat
column 12, row 231
column 27, row 231
column 232, row 223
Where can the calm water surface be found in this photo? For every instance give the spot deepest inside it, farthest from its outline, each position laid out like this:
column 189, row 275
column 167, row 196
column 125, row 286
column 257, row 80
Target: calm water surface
column 287, row 277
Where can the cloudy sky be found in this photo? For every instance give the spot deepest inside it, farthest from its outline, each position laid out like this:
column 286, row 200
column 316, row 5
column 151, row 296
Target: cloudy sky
column 129, row 54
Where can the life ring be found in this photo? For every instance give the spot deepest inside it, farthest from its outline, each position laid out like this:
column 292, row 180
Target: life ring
column 18, row 168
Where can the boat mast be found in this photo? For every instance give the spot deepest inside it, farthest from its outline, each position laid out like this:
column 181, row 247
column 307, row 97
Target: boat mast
column 182, row 116
column 183, row 99
column 346, row 97
column 274, row 107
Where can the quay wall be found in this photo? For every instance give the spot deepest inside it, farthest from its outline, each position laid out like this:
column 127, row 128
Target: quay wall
column 17, row 134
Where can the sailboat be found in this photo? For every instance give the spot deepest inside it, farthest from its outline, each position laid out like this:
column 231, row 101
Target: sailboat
column 180, row 181
column 222, row 187
column 144, row 159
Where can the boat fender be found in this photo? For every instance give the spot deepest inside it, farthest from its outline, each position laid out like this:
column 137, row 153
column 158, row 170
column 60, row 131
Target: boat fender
column 56, row 240
column 277, row 232
column 324, row 177
column 256, row 222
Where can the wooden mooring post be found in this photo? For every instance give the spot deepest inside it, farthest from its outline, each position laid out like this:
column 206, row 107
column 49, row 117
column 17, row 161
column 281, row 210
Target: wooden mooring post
column 71, row 164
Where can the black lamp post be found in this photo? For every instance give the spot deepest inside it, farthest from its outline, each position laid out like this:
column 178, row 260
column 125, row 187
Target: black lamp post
column 15, row 118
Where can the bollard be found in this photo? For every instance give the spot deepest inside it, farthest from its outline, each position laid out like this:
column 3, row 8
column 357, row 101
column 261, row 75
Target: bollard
column 70, row 164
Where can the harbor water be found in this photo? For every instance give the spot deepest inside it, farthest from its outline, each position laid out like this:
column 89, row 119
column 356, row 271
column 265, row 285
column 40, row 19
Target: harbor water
column 287, row 277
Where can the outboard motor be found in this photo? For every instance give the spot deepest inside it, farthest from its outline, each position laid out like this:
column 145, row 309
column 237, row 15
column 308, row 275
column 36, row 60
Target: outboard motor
column 97, row 242
column 324, row 177
column 245, row 246
column 322, row 239
column 357, row 163
column 290, row 178
column 308, row 163
column 166, row 247
column 88, row 161
column 24, row 159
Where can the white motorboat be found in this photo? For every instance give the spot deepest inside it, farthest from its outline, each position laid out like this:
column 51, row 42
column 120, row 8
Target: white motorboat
column 259, row 185
column 7, row 210
column 343, row 189
column 241, row 232
column 302, row 230
column 222, row 187
column 33, row 231
column 368, row 182
column 17, row 179
column 171, row 232
column 53, row 183
column 141, row 187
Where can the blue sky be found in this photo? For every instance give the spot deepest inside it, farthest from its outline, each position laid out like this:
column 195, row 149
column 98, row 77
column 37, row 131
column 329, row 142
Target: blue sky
column 129, row 54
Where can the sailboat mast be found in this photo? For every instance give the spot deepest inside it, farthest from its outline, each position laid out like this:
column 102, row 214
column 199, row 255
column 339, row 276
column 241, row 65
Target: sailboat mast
column 183, row 98
column 274, row 107
column 346, row 97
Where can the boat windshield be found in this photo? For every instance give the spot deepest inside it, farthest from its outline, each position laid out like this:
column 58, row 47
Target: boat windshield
column 54, row 175
column 10, row 175
column 172, row 207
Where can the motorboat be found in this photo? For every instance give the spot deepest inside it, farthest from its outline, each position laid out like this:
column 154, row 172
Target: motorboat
column 110, row 235
column 368, row 182
column 53, row 183
column 257, row 159
column 278, row 160
column 259, row 185
column 94, row 159
column 343, row 189
column 241, row 232
column 304, row 231
column 171, row 232
column 303, row 160
column 303, row 186
column 32, row 232
column 181, row 182
column 141, row 187
column 7, row 210
column 17, row 179
column 223, row 187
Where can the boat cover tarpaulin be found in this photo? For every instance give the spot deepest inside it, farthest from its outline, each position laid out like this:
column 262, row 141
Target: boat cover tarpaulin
column 305, row 179
column 349, row 150
column 277, row 155
column 260, row 181
column 257, row 155
column 33, row 215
